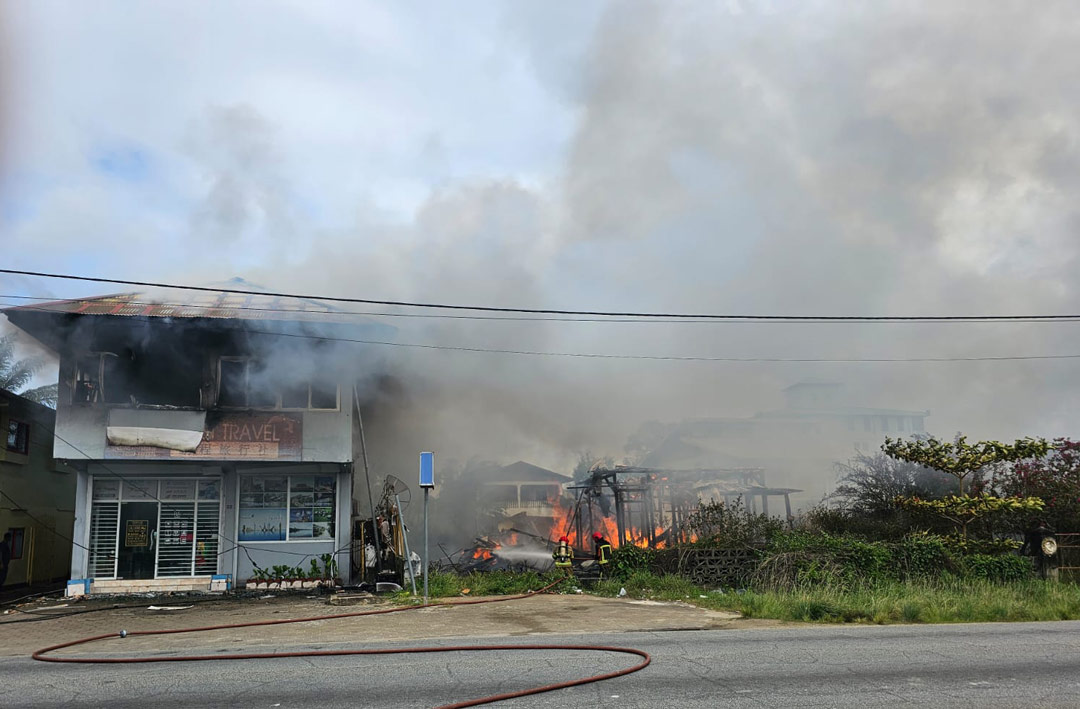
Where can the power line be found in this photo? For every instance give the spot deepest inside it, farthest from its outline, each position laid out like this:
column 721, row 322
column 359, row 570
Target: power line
column 610, row 356
column 497, row 318
column 674, row 358
column 549, row 311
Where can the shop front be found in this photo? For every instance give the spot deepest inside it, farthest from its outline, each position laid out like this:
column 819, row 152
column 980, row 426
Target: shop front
column 151, row 531
column 144, row 529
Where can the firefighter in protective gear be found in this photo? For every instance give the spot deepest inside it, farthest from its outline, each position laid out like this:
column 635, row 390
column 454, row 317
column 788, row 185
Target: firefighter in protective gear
column 603, row 550
column 563, row 554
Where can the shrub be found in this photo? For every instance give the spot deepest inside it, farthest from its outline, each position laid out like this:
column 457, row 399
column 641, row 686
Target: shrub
column 629, row 559
column 715, row 524
column 1002, row 568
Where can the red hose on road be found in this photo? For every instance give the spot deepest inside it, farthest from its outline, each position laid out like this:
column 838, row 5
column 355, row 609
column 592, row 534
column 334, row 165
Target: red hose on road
column 43, row 656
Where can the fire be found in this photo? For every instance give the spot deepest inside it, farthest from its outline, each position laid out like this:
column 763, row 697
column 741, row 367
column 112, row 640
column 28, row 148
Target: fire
column 484, row 553
column 563, row 525
column 560, row 525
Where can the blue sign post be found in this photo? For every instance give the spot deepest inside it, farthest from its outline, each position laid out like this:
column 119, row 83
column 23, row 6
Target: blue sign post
column 427, row 481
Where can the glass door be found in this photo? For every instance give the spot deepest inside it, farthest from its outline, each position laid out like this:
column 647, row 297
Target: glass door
column 137, row 540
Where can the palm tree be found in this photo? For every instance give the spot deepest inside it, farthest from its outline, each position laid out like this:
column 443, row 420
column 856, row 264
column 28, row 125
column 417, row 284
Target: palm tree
column 15, row 374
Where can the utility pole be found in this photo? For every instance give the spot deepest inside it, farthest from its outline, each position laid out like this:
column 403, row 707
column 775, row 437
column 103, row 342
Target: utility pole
column 427, row 481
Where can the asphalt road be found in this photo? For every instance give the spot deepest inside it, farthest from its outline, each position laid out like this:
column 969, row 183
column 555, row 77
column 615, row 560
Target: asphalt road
column 986, row 665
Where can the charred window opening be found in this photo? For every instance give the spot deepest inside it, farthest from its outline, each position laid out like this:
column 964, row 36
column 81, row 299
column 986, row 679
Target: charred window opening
column 232, row 380
column 262, row 390
column 324, row 394
column 295, row 396
column 117, row 377
column 87, row 384
column 245, row 382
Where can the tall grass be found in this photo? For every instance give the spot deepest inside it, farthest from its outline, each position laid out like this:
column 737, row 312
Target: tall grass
column 945, row 600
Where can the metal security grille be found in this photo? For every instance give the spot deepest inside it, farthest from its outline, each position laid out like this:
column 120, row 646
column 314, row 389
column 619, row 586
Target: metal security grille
column 206, row 538
column 176, row 539
column 104, row 527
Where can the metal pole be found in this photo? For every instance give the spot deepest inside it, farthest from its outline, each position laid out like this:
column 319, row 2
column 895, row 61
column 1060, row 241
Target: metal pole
column 427, row 565
column 367, row 477
column 405, row 540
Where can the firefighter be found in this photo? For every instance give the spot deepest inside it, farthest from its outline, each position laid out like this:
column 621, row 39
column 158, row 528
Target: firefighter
column 602, row 547
column 563, row 554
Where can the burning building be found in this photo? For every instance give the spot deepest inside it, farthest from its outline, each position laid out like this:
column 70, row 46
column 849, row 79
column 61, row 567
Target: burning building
column 210, row 434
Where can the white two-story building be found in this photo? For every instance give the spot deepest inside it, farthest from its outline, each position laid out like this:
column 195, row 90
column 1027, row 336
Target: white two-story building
column 210, row 434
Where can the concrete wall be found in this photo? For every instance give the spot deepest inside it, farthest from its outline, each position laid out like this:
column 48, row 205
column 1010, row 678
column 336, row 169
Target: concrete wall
column 80, row 429
column 38, row 495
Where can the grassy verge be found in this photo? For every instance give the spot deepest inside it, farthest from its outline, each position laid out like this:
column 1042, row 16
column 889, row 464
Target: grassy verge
column 947, row 600
column 944, row 600
column 489, row 583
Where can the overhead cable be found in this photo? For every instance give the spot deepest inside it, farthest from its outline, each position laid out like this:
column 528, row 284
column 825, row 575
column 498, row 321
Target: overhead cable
column 543, row 311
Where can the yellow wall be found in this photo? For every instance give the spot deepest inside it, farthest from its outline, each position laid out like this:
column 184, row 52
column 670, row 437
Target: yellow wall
column 37, row 496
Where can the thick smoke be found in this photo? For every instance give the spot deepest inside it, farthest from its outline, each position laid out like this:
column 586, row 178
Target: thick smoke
column 898, row 158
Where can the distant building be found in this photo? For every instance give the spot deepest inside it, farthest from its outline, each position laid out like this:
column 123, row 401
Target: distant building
column 523, row 488
column 797, row 445
column 37, row 494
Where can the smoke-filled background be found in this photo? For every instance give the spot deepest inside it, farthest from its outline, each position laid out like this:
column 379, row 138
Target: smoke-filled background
column 889, row 158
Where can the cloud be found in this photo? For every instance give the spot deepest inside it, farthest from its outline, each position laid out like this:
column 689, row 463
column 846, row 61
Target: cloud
column 752, row 157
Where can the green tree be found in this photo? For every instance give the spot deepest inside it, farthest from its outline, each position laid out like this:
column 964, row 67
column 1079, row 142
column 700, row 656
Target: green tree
column 962, row 510
column 961, row 459
column 16, row 373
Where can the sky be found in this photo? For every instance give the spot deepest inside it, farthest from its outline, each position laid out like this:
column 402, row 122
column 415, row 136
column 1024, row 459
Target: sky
column 768, row 157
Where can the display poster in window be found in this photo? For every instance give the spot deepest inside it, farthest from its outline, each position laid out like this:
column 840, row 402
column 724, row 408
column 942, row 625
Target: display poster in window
column 263, row 524
column 106, row 489
column 209, row 490
column 256, row 436
column 177, row 489
column 137, row 533
column 140, row 489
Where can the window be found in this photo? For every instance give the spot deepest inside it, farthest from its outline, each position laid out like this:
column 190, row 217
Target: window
column 188, row 516
column 280, row 508
column 18, row 536
column 244, row 382
column 86, row 388
column 156, row 375
column 868, row 423
column 18, row 437
column 232, row 381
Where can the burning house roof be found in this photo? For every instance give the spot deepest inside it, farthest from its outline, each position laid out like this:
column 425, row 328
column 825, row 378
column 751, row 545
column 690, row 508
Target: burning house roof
column 43, row 320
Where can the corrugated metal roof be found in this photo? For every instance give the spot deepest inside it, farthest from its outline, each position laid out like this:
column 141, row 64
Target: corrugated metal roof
column 198, row 304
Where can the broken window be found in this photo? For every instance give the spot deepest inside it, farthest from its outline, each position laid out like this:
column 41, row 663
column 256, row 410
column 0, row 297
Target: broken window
column 295, row 396
column 87, row 385
column 245, row 382
column 262, row 391
column 324, row 395
column 232, row 389
column 18, row 437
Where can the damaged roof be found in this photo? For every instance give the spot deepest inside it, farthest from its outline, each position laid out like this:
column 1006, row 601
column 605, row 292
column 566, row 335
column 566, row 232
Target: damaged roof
column 174, row 303
column 41, row 319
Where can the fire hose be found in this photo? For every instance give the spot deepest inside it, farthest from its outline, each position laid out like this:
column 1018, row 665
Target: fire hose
column 43, row 655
